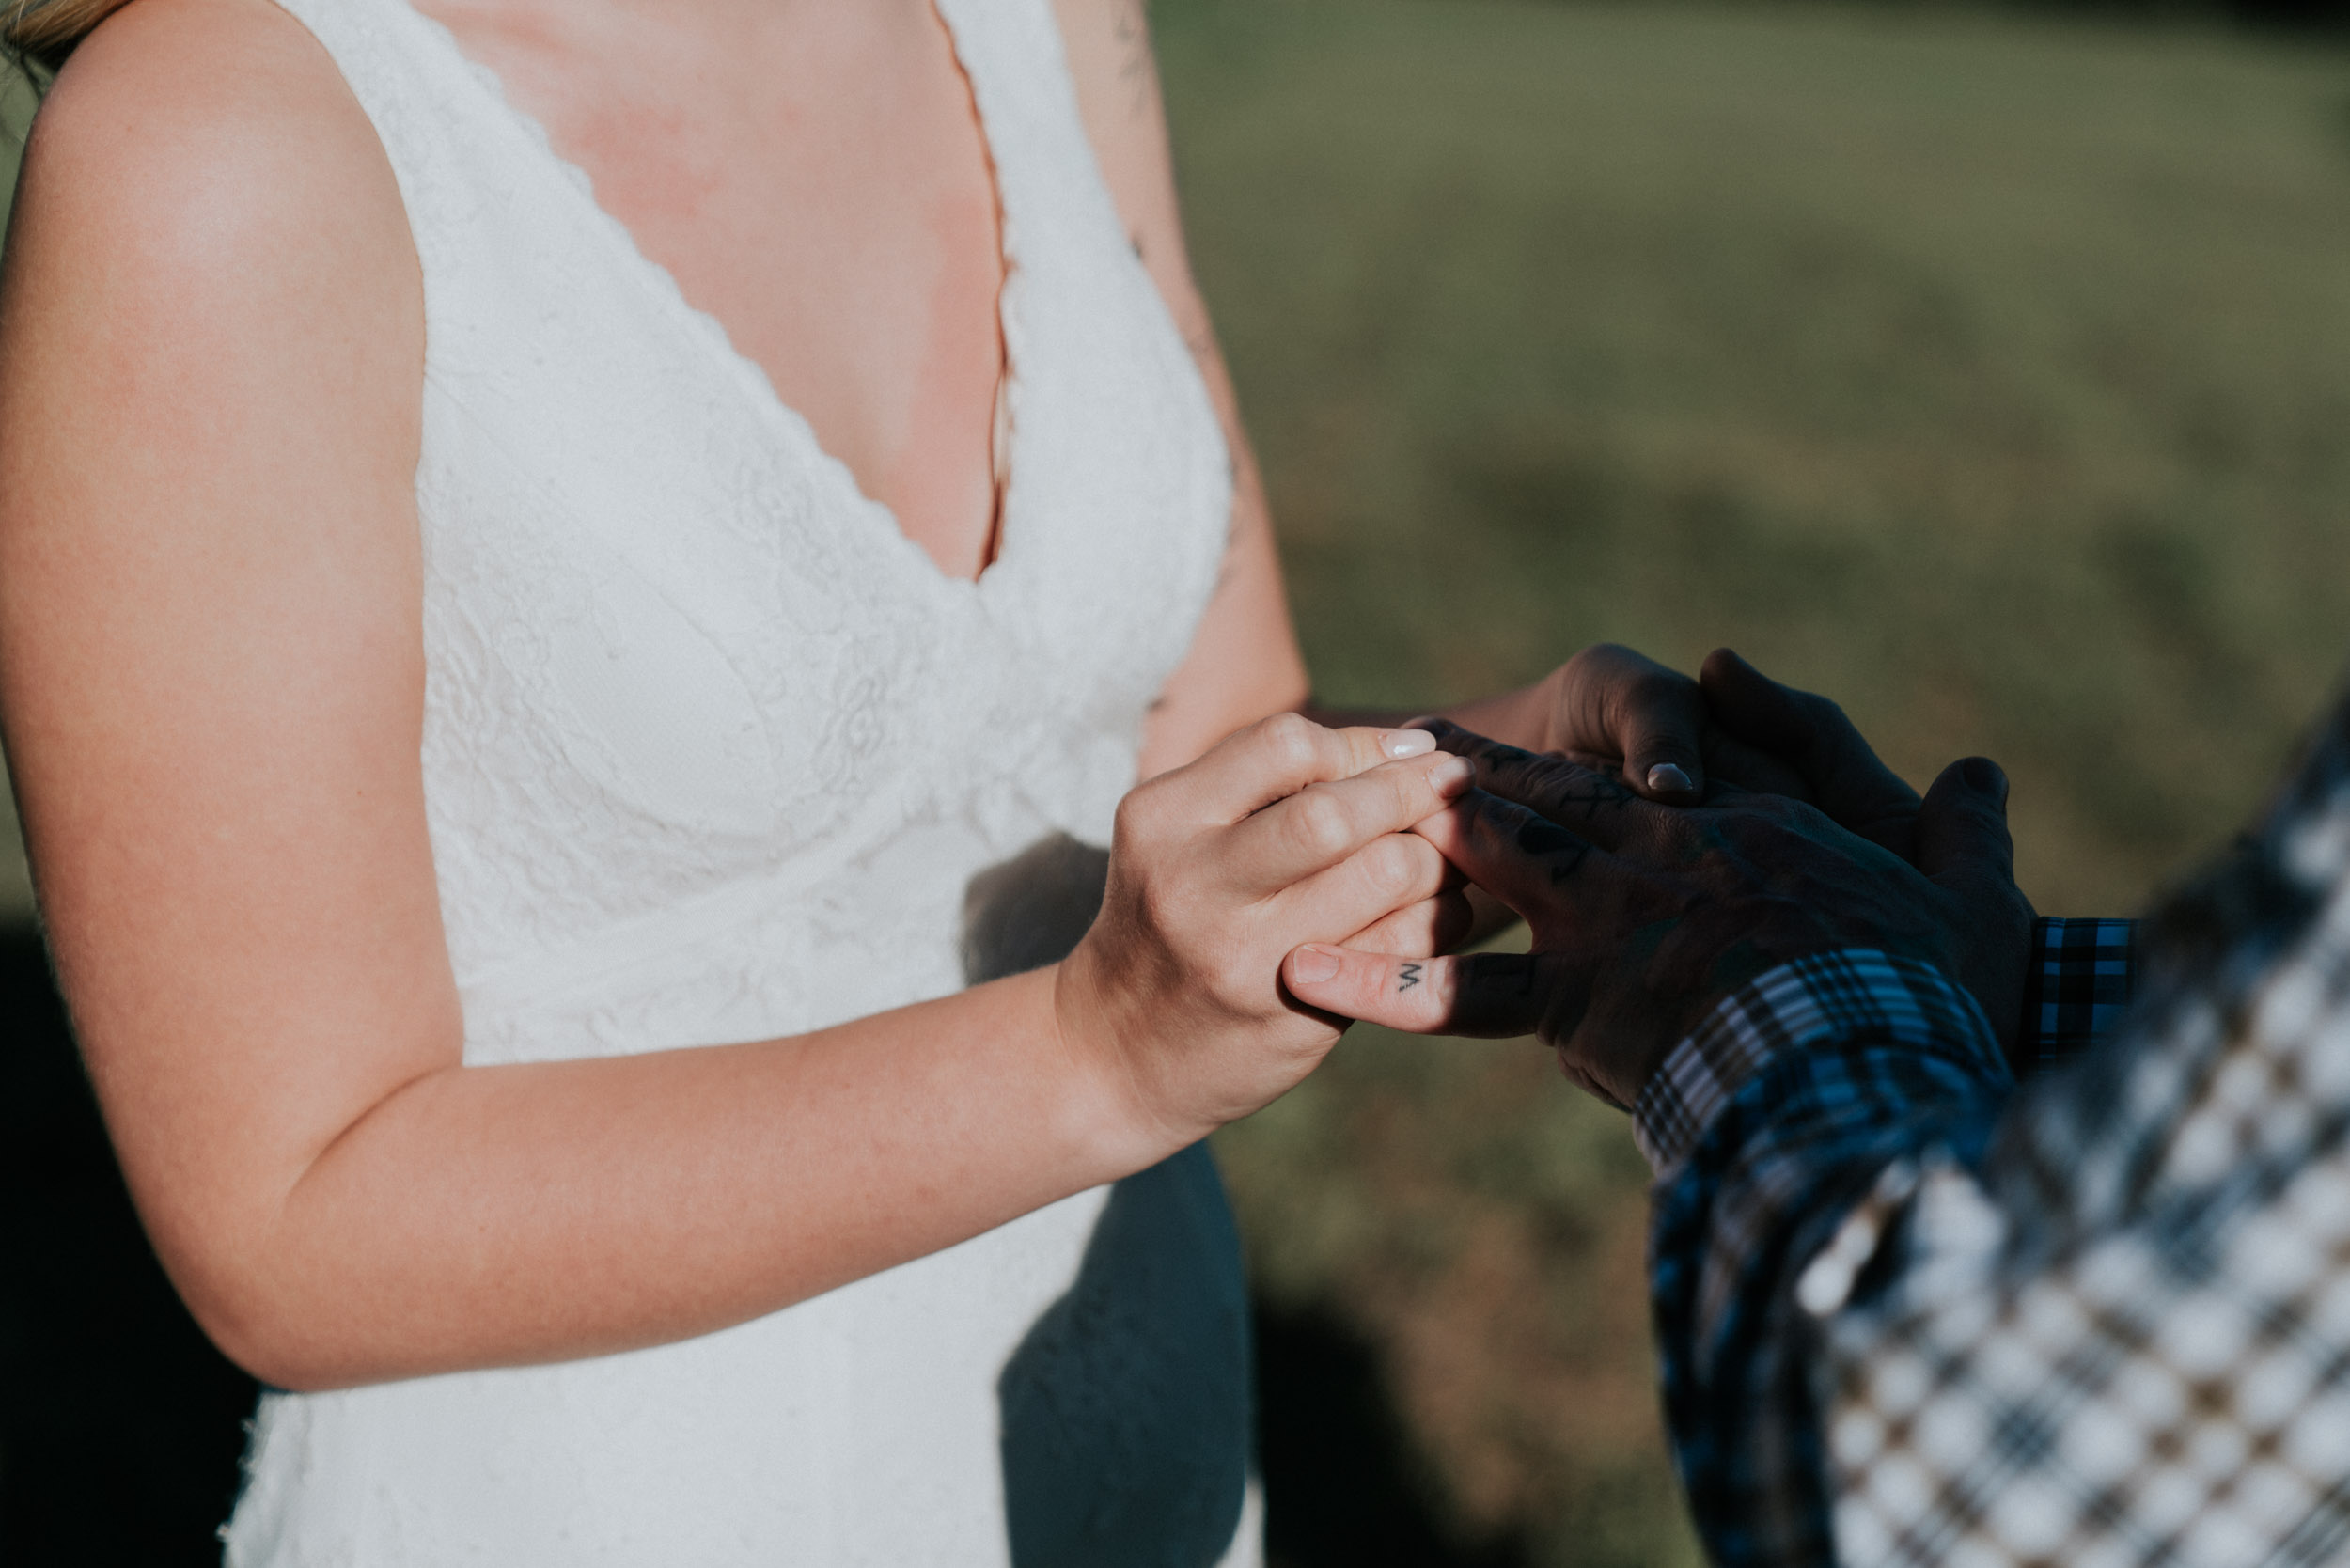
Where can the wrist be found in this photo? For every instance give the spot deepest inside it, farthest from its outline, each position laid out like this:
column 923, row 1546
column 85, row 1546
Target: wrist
column 1108, row 1110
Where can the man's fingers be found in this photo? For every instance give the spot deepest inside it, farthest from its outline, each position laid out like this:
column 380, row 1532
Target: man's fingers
column 1658, row 719
column 1749, row 767
column 1484, row 995
column 1467, row 742
column 1751, row 707
column 1812, row 734
column 1964, row 847
column 1617, row 703
column 1570, row 788
column 1594, row 804
column 1518, row 854
column 1962, row 827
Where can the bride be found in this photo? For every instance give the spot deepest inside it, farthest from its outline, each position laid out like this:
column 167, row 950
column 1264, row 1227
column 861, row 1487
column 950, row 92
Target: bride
column 576, row 578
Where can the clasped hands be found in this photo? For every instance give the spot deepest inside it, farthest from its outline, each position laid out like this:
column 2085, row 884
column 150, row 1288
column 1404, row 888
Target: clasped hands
column 1666, row 840
column 1644, row 916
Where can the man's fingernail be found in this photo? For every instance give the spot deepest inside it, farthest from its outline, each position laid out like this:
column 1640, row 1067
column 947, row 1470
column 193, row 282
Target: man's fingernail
column 1451, row 775
column 1312, row 965
column 1667, row 778
column 1985, row 777
column 1407, row 742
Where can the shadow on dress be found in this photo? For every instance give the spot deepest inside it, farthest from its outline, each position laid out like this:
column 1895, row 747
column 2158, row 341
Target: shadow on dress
column 1125, row 1412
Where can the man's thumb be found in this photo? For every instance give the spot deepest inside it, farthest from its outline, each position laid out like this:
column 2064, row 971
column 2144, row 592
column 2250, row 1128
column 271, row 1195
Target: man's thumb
column 1962, row 824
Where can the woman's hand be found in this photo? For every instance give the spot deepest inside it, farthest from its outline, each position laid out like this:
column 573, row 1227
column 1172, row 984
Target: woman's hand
column 1286, row 833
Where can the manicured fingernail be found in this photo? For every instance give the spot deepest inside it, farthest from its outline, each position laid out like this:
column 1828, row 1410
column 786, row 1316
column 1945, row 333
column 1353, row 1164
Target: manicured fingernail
column 1667, row 777
column 1407, row 742
column 1451, row 775
column 1312, row 965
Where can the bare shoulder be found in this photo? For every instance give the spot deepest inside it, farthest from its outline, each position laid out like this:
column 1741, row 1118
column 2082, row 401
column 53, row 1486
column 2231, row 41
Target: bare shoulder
column 197, row 155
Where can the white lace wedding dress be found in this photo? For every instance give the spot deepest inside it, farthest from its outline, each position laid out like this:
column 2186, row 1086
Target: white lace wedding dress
column 714, row 753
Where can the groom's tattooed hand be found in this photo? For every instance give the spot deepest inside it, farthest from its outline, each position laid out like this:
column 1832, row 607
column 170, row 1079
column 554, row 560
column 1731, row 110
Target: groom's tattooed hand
column 1644, row 916
column 1548, row 841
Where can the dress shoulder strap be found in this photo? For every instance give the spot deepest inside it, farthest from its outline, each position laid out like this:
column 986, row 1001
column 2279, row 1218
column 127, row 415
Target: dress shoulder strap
column 1045, row 168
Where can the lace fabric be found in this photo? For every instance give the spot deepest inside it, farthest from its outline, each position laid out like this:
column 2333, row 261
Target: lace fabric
column 712, row 753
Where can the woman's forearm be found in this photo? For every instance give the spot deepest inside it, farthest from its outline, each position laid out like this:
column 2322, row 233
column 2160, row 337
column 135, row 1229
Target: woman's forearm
column 449, row 1216
column 487, row 1215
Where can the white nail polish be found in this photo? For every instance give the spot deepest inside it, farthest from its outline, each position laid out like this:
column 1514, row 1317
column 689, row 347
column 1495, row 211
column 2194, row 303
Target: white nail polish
column 1401, row 744
column 1666, row 776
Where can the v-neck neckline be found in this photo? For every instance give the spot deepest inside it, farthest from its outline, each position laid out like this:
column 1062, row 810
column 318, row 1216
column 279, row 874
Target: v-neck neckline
column 760, row 388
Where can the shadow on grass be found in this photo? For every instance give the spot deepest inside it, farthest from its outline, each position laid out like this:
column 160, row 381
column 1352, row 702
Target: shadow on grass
column 1342, row 1485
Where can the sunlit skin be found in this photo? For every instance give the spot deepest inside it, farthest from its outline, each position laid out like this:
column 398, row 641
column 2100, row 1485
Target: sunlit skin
column 212, row 683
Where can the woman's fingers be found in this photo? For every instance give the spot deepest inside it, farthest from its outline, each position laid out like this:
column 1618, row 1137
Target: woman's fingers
column 1275, row 757
column 1486, row 996
column 1431, row 925
column 1323, row 824
column 1392, row 872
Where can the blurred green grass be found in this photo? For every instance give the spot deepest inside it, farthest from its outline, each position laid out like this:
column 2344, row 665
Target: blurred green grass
column 1987, row 371
column 1989, row 374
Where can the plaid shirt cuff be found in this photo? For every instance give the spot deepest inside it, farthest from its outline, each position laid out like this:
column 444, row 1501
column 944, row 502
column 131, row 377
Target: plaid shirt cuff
column 2082, row 975
column 1827, row 998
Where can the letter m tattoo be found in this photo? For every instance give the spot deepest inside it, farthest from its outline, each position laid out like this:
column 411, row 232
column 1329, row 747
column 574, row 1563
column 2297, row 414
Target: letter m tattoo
column 1408, row 977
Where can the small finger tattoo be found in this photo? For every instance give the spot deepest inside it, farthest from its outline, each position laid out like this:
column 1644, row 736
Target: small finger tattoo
column 1408, row 977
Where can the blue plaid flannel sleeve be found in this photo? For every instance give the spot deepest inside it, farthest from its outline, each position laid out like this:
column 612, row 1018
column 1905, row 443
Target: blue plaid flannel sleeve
column 1913, row 1315
column 1765, row 1125
column 2080, row 980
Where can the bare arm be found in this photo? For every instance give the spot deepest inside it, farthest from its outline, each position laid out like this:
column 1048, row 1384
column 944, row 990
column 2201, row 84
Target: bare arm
column 1244, row 662
column 212, row 678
